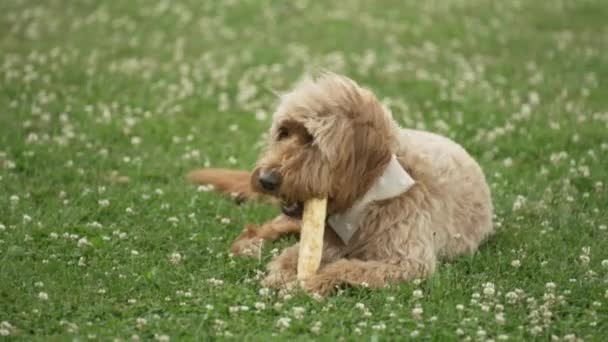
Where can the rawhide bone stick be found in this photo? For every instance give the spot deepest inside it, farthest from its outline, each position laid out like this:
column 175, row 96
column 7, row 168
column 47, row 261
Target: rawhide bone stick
column 311, row 237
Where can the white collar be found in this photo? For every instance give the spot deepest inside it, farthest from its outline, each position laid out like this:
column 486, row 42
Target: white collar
column 393, row 182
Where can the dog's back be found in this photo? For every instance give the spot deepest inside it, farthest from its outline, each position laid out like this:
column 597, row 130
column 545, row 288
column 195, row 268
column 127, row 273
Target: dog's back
column 458, row 185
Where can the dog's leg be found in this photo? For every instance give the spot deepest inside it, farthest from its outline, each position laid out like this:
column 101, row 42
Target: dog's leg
column 282, row 270
column 249, row 242
column 372, row 274
column 233, row 183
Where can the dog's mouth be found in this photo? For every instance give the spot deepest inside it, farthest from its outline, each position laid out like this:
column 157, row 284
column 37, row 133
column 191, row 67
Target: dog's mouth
column 292, row 209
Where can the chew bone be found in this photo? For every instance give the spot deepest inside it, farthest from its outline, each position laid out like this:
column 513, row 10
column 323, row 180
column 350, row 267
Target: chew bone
column 311, row 238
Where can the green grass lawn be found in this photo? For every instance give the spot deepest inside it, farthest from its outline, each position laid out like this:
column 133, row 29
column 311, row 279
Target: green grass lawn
column 106, row 105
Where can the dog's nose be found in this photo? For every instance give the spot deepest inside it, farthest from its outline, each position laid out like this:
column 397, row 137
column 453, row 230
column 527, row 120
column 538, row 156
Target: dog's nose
column 269, row 180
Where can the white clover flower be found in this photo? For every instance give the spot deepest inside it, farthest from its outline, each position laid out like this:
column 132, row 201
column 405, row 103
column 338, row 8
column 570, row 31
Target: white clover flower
column 511, row 297
column 298, row 312
column 95, row 224
column 516, row 263
column 141, row 322
column 500, row 318
column 175, row 258
column 379, row 326
column 417, row 294
column 260, row 306
column 43, row 296
column 535, row 330
column 283, row 322
column 104, row 202
column 260, row 115
column 519, row 202
column 205, row 188
column 83, row 242
column 162, row 337
column 215, row 282
column 488, row 290
column 417, row 312
column 316, row 328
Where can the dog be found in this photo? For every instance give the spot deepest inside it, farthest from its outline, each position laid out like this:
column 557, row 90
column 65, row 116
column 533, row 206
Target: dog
column 399, row 200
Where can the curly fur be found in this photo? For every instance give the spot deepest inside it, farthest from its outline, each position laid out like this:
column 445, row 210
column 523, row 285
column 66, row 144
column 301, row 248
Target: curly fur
column 339, row 140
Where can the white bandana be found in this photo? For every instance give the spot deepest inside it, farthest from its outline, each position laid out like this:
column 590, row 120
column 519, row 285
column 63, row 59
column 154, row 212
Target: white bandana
column 393, row 182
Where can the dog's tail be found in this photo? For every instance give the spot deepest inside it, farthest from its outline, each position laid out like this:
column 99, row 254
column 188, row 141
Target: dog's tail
column 234, row 183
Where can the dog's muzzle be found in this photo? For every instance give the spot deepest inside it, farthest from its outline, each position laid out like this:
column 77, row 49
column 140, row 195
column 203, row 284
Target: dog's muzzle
column 269, row 180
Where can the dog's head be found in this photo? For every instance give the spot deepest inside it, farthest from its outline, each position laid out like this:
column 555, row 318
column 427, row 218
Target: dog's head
column 329, row 138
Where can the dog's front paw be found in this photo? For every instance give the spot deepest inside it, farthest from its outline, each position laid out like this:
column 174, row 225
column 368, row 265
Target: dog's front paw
column 280, row 279
column 248, row 243
column 319, row 285
column 248, row 247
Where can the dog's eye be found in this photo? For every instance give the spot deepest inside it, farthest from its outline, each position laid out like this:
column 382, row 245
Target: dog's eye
column 283, row 133
column 308, row 138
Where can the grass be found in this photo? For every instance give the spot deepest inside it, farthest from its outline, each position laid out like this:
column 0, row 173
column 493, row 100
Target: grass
column 94, row 91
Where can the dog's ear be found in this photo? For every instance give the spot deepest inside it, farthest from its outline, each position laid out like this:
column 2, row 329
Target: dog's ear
column 357, row 146
column 333, row 136
column 373, row 135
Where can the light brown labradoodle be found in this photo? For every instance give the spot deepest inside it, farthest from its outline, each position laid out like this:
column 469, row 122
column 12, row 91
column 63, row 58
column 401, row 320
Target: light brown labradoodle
column 399, row 200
